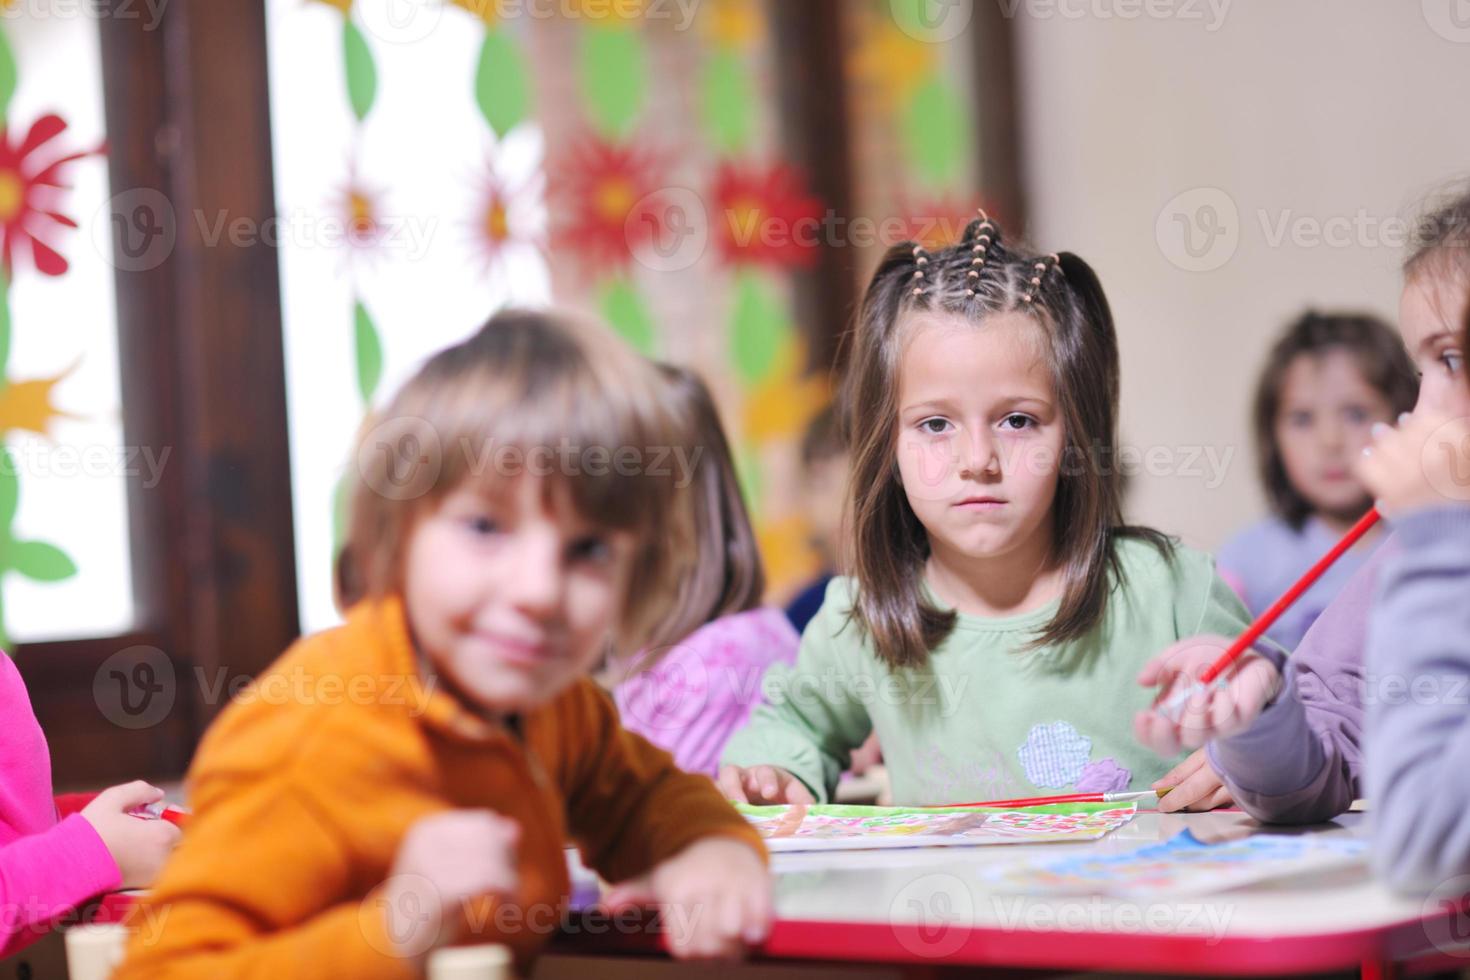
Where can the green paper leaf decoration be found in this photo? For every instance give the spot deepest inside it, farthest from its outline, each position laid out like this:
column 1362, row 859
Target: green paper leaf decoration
column 362, row 74
column 729, row 103
column 9, row 494
column 341, row 510
column 39, row 561
column 4, row 329
column 614, row 78
column 625, row 309
column 917, row 18
column 502, row 90
column 8, row 74
column 369, row 353
column 758, row 326
column 937, row 133
column 748, row 472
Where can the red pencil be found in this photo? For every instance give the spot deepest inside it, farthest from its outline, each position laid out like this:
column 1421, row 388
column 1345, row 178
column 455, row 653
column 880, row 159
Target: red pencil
column 1268, row 618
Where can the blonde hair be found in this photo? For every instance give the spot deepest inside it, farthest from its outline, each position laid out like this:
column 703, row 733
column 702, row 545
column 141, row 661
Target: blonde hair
column 528, row 385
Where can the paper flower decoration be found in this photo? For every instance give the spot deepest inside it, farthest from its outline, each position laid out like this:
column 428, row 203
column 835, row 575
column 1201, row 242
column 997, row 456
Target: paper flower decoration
column 765, row 216
column 509, row 221
column 610, row 197
column 32, row 192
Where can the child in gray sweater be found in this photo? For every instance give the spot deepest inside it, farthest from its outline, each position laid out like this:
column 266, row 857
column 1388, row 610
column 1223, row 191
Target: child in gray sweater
column 1286, row 737
column 1418, row 682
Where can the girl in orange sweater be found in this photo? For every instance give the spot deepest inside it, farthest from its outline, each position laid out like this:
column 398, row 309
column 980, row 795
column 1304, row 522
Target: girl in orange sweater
column 410, row 778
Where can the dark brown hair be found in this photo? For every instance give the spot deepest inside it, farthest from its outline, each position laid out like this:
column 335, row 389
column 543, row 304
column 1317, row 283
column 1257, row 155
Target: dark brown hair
column 721, row 573
column 1382, row 361
column 979, row 277
column 527, row 385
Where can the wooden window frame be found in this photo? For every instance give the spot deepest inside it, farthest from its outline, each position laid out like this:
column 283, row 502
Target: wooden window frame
column 202, row 376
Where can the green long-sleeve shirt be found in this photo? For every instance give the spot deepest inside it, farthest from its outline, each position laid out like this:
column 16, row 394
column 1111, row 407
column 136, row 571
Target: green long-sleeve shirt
column 984, row 719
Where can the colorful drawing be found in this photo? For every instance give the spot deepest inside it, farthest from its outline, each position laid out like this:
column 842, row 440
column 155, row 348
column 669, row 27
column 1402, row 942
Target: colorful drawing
column 1181, row 865
column 822, row 828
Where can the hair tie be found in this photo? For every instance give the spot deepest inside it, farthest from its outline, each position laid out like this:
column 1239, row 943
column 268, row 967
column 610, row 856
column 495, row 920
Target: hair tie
column 1038, row 275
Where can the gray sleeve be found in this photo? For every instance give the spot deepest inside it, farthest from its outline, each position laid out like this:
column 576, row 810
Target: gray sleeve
column 1418, row 720
column 1301, row 761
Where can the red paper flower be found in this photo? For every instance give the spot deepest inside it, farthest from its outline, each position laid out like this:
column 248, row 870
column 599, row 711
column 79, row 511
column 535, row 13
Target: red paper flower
column 31, row 195
column 608, row 199
column 766, row 216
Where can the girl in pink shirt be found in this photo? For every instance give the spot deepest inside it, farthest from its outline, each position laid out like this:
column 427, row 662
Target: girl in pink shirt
column 49, row 867
column 698, row 677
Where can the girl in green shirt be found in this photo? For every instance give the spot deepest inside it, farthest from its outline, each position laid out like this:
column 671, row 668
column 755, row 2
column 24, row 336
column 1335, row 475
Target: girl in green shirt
column 998, row 609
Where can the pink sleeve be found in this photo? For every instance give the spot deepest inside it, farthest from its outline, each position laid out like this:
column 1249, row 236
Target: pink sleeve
column 704, row 690
column 46, row 875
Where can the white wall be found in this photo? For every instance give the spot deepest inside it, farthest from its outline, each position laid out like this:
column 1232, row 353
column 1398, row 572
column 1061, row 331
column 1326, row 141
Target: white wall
column 1299, row 110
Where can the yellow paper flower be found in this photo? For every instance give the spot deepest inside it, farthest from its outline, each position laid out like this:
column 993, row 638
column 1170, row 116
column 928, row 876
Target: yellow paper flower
column 483, row 9
column 892, row 63
column 27, row 405
column 344, row 7
column 734, row 23
column 605, row 13
column 782, row 405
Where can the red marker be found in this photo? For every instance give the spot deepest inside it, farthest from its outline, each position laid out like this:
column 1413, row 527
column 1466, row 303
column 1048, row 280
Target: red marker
column 1268, row 618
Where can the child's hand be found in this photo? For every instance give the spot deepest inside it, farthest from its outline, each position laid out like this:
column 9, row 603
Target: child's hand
column 762, row 785
column 1193, row 785
column 444, row 861
column 1251, row 682
column 140, row 846
column 715, row 896
column 1423, row 463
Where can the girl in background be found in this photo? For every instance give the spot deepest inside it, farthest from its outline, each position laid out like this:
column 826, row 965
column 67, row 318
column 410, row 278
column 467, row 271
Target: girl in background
column 999, row 607
column 1329, row 379
column 698, row 678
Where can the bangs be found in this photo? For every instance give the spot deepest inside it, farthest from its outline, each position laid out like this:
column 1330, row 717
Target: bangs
column 584, row 438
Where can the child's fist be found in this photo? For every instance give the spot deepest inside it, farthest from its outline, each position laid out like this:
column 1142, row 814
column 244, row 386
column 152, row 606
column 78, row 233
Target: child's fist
column 1423, row 463
column 1250, row 684
column 444, row 861
column 139, row 845
column 762, row 784
column 715, row 896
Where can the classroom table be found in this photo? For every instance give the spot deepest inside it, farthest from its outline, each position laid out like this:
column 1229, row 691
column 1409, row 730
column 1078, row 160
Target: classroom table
column 927, row 912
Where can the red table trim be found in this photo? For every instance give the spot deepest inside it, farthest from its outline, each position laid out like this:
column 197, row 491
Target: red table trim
column 794, row 940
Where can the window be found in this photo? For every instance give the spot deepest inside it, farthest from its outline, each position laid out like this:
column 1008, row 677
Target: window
column 401, row 230
column 65, row 563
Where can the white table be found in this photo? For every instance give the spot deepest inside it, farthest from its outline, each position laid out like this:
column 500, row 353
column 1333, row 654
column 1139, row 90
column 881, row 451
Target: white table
column 929, row 908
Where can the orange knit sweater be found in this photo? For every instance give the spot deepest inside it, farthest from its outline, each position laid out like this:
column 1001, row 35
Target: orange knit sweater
column 305, row 786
